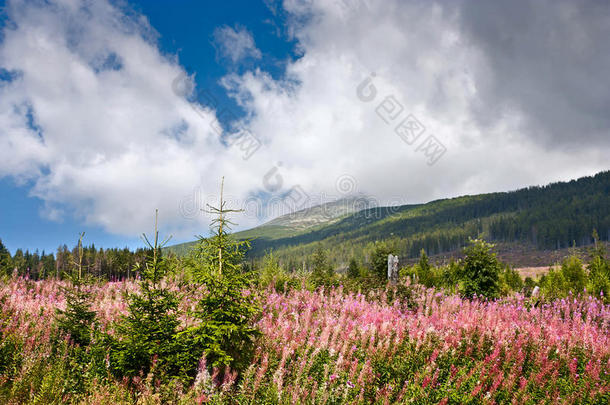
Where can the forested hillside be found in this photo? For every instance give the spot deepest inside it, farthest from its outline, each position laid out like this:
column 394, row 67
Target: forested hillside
column 555, row 216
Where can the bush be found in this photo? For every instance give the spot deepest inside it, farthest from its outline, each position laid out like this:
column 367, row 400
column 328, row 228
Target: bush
column 528, row 286
column 511, row 280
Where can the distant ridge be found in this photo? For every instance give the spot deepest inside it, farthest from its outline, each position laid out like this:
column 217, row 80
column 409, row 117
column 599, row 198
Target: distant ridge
column 554, row 216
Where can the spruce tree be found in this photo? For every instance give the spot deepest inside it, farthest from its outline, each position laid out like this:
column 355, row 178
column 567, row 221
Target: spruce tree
column 322, row 269
column 78, row 318
column 230, row 305
column 479, row 272
column 599, row 273
column 353, row 270
column 5, row 260
column 424, row 270
column 379, row 259
column 149, row 332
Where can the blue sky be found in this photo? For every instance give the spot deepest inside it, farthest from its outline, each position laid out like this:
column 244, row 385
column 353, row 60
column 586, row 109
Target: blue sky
column 105, row 111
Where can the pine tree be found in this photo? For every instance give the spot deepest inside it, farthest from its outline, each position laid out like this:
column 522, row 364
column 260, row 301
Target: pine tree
column 270, row 271
column 574, row 273
column 150, row 329
column 424, row 270
column 322, row 270
column 479, row 272
column 599, row 273
column 19, row 262
column 379, row 259
column 353, row 270
column 78, row 317
column 6, row 262
column 229, row 308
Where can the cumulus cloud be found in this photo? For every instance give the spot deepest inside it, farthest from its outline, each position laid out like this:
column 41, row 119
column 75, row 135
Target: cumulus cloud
column 235, row 43
column 104, row 127
column 89, row 115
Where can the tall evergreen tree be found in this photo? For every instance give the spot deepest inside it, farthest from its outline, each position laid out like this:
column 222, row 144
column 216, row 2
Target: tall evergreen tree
column 228, row 310
column 150, row 329
column 480, row 270
column 321, row 268
column 379, row 259
column 78, row 317
column 19, row 262
column 353, row 270
column 424, row 270
column 6, row 262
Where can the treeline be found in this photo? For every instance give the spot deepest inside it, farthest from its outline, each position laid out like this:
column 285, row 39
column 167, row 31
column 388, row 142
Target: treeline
column 109, row 264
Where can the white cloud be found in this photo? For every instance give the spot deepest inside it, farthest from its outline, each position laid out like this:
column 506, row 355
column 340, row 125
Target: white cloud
column 112, row 140
column 236, row 43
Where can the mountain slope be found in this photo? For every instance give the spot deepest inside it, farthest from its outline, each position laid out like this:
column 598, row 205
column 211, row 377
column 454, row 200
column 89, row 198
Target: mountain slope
column 298, row 222
column 550, row 217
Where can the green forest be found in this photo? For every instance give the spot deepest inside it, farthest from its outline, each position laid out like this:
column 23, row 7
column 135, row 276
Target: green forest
column 555, row 216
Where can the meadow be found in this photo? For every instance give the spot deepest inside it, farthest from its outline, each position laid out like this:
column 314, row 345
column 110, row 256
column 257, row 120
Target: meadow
column 401, row 343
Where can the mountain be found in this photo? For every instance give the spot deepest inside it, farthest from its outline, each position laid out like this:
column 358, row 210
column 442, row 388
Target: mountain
column 298, row 222
column 550, row 217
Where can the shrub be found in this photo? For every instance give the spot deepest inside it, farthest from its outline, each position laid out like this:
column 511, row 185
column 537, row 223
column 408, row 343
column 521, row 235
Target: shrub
column 511, row 280
column 528, row 286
